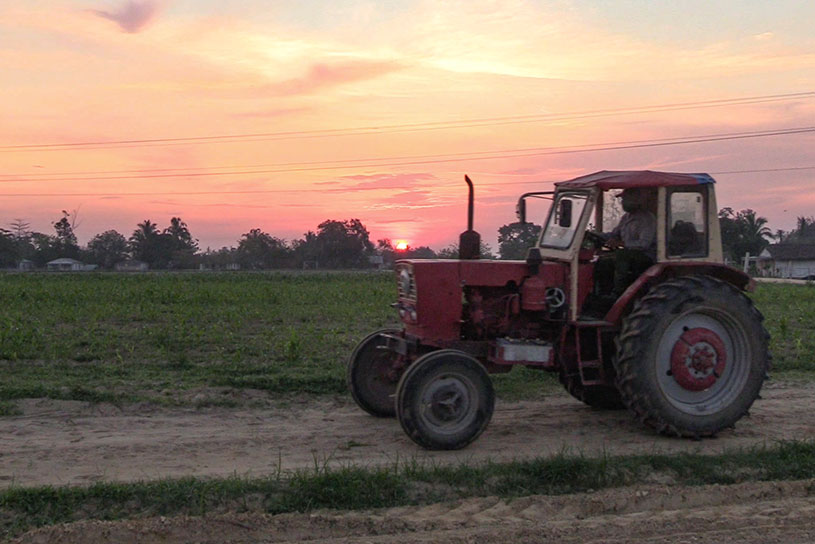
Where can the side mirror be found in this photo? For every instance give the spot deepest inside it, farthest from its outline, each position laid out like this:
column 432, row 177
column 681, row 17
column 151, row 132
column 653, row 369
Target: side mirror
column 520, row 210
column 565, row 213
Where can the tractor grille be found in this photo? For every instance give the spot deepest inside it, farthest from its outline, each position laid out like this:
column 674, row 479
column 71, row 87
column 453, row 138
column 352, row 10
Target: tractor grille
column 406, row 282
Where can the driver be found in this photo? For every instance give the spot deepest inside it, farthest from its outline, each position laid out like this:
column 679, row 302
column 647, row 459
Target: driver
column 638, row 227
column 634, row 239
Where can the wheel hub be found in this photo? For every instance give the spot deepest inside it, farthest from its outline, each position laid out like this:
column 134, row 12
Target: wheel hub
column 447, row 400
column 698, row 359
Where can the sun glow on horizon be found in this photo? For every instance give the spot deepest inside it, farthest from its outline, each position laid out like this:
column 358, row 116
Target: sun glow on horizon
column 401, row 245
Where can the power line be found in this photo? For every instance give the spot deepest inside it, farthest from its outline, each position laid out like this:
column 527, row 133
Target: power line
column 312, row 189
column 438, row 159
column 413, row 127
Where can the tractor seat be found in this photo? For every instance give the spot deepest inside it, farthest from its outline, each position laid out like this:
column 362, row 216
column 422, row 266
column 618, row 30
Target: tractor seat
column 685, row 240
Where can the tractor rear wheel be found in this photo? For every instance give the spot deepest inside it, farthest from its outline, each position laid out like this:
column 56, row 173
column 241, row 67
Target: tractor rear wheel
column 692, row 356
column 599, row 397
column 373, row 374
column 445, row 400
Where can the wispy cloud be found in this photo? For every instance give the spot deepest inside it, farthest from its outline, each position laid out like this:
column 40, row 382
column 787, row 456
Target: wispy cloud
column 321, row 76
column 271, row 113
column 387, row 181
column 133, row 16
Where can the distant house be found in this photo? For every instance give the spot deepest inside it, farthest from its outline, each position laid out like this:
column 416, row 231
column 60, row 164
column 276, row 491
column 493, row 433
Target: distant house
column 131, row 266
column 65, row 265
column 377, row 261
column 25, row 265
column 788, row 261
column 217, row 267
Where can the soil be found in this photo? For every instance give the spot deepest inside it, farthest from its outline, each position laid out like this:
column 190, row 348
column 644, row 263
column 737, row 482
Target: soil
column 68, row 443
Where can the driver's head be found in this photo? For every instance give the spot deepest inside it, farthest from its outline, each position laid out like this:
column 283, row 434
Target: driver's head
column 632, row 200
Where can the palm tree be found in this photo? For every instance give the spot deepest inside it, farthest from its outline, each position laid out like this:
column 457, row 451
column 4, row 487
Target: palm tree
column 143, row 241
column 754, row 232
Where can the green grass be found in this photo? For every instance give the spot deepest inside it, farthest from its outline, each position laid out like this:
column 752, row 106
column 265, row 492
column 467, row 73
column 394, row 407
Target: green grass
column 789, row 316
column 22, row 509
column 109, row 336
column 9, row 409
column 163, row 337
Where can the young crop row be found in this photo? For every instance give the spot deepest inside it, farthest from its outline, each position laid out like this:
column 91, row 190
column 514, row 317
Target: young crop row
column 108, row 337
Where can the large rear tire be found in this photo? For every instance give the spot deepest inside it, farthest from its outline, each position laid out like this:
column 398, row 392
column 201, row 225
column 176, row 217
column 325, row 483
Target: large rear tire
column 445, row 400
column 372, row 375
column 692, row 356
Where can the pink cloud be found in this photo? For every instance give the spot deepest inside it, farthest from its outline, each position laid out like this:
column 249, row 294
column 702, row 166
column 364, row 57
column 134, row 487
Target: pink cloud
column 323, row 75
column 133, row 16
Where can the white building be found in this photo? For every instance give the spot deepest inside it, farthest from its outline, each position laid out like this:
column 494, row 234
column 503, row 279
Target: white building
column 65, row 265
column 788, row 261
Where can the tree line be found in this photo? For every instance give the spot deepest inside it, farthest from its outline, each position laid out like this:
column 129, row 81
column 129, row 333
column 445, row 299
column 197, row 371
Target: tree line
column 746, row 232
column 334, row 244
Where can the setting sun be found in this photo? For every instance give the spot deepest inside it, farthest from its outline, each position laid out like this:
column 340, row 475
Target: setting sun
column 401, row 245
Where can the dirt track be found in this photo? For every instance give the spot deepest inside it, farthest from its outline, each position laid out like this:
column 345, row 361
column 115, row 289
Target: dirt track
column 57, row 442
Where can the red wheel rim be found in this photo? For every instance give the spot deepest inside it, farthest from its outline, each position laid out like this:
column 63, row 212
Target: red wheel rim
column 698, row 359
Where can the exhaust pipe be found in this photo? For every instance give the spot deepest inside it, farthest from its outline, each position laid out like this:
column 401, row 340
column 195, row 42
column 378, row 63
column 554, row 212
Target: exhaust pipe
column 469, row 242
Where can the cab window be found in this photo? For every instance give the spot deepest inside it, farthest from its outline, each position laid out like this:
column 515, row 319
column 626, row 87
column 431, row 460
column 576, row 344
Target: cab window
column 687, row 224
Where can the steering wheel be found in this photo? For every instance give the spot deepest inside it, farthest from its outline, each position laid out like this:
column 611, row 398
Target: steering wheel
column 593, row 240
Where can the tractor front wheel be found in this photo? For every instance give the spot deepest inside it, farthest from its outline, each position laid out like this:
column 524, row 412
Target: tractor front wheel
column 373, row 373
column 445, row 400
column 691, row 356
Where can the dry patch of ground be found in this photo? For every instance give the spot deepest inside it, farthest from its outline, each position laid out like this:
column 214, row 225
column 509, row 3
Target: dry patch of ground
column 68, row 442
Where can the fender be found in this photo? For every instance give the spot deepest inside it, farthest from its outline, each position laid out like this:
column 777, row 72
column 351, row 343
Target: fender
column 664, row 271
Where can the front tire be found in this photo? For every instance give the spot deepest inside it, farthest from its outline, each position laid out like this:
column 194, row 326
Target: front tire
column 445, row 400
column 372, row 375
column 692, row 356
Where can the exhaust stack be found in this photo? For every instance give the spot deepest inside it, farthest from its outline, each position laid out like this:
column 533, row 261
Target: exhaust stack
column 469, row 242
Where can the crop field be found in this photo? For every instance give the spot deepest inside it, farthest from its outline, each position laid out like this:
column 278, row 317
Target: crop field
column 191, row 337
column 111, row 337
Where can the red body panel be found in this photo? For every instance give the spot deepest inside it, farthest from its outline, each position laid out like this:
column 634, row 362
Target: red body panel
column 441, row 284
column 438, row 301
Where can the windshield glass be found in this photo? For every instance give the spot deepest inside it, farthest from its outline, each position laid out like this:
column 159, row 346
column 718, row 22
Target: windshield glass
column 563, row 220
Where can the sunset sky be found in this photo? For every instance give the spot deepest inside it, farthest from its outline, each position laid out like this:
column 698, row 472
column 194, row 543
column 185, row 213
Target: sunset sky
column 281, row 114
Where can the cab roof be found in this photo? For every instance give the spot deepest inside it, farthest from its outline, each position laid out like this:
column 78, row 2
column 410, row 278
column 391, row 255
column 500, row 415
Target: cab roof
column 609, row 179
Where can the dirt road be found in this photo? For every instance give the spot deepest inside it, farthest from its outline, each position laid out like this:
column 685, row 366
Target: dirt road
column 58, row 442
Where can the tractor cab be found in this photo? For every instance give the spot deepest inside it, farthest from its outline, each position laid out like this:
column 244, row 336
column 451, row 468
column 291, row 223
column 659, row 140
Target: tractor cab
column 586, row 210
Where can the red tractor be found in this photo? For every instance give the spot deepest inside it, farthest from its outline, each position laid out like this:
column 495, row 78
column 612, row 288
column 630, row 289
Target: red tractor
column 681, row 346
